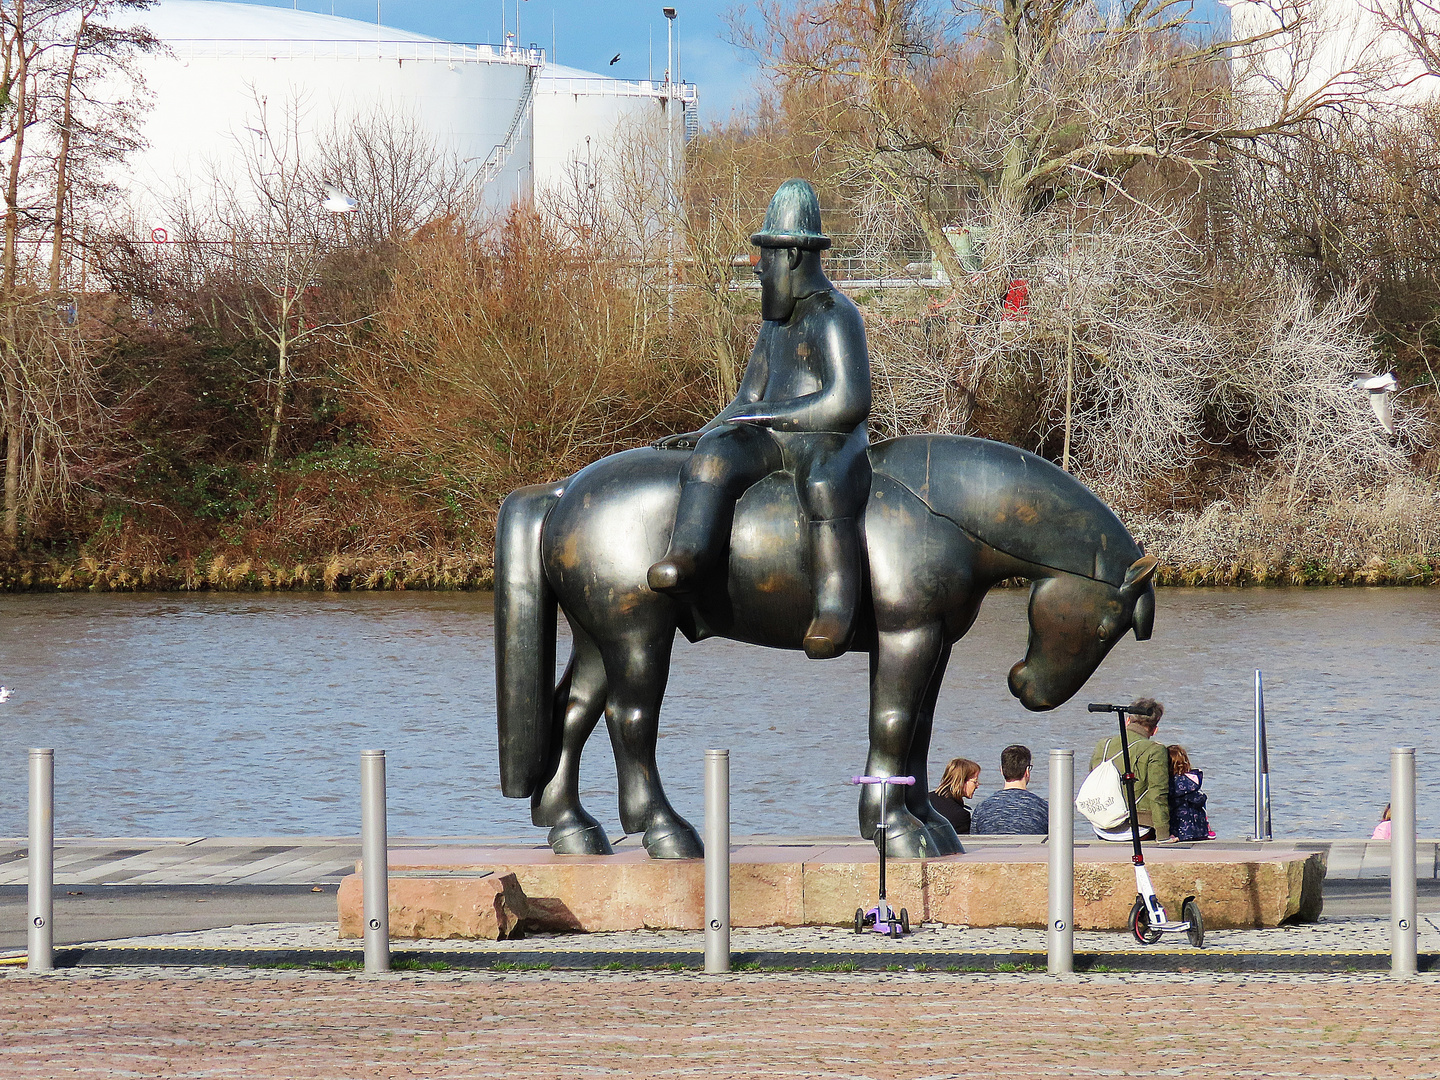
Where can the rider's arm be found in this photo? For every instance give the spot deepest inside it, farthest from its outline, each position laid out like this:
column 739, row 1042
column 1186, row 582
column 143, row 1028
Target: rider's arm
column 751, row 390
column 752, row 383
column 843, row 401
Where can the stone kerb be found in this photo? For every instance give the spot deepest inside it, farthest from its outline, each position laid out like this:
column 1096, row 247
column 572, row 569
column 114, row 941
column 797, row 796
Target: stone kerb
column 438, row 893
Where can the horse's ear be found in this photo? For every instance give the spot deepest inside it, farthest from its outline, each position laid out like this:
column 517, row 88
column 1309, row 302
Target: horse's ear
column 1138, row 576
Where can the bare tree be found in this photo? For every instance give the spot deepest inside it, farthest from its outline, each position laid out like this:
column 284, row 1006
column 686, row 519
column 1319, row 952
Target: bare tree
column 1016, row 106
column 52, row 52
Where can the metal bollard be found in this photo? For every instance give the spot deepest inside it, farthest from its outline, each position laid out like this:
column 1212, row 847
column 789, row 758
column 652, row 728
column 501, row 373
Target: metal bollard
column 374, row 851
column 1402, row 860
column 40, row 933
column 1061, row 947
column 717, row 861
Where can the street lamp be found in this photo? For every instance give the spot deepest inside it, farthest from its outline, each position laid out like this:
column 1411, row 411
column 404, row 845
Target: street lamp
column 669, row 13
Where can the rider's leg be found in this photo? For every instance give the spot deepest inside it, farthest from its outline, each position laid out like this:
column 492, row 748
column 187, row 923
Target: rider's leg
column 723, row 464
column 834, row 482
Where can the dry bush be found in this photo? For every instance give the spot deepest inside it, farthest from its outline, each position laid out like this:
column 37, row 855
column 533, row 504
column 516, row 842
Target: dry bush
column 1389, row 534
column 1168, row 376
column 515, row 355
column 52, row 413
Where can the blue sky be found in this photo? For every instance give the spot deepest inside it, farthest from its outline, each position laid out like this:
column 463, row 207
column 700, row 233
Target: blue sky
column 587, row 33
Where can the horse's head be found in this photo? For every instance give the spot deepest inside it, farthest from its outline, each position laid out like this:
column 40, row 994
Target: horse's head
column 1074, row 622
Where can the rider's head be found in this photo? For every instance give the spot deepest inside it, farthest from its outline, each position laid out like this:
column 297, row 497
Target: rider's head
column 790, row 243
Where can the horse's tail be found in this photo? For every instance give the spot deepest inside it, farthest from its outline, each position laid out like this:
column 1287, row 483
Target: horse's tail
column 524, row 640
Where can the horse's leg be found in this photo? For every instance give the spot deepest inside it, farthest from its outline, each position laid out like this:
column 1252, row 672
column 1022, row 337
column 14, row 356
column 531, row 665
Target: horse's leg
column 557, row 803
column 901, row 667
column 638, row 667
column 917, row 798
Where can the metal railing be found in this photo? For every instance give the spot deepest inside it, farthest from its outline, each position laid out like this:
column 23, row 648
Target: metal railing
column 443, row 52
column 564, row 84
column 505, row 149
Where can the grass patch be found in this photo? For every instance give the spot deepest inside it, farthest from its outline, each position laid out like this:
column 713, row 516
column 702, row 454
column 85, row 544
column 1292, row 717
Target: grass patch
column 508, row 965
column 842, row 966
column 343, row 964
column 421, row 965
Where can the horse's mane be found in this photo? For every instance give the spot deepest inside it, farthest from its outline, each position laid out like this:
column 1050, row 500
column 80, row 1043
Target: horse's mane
column 1012, row 500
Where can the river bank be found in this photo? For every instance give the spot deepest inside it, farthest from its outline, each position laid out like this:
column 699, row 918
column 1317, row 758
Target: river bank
column 427, row 572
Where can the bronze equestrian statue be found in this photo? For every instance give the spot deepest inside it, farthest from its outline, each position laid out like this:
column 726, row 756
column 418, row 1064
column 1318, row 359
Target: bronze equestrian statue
column 801, row 409
column 946, row 518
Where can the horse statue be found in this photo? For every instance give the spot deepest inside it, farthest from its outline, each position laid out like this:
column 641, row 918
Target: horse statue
column 948, row 517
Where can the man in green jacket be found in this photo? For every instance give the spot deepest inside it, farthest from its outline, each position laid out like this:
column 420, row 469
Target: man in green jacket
column 1151, row 762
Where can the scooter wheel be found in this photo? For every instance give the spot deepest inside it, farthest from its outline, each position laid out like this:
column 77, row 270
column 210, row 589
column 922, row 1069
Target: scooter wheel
column 859, row 920
column 1140, row 923
column 894, row 929
column 1190, row 912
column 904, row 921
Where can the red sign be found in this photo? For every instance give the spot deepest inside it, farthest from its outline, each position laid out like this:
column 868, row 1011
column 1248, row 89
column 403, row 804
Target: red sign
column 159, row 235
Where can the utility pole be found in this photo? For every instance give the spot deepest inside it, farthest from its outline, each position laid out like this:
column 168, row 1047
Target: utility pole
column 669, row 13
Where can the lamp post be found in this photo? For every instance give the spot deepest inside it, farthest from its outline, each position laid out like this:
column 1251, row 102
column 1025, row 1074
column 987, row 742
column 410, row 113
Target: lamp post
column 669, row 13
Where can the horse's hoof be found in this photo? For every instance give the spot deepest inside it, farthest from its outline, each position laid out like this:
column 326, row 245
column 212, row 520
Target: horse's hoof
column 579, row 838
column 675, row 841
column 912, row 843
column 944, row 837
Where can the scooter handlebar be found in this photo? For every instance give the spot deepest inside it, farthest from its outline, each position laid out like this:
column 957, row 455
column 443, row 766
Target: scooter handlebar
column 1128, row 710
column 906, row 780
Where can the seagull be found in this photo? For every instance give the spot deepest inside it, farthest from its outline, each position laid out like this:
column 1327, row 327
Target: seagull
column 1379, row 387
column 5, row 693
column 337, row 202
column 615, row 59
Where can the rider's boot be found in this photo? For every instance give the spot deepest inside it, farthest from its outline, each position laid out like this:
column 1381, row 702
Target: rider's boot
column 835, row 559
column 692, row 544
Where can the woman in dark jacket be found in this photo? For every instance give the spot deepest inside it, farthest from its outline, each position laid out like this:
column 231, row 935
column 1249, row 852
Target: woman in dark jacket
column 962, row 777
column 1188, row 820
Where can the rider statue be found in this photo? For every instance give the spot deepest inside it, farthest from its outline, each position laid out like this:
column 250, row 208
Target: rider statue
column 802, row 407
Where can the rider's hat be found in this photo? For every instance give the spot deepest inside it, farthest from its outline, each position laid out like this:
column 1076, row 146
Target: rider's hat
column 793, row 219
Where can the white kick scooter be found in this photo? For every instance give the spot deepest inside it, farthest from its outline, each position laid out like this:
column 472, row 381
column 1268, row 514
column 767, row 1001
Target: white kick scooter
column 1148, row 921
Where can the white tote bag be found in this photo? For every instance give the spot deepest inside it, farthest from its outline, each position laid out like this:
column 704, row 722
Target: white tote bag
column 1101, row 797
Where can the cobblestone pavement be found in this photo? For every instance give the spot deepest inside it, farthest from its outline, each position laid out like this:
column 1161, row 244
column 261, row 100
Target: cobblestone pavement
column 1366, row 933
column 140, row 1023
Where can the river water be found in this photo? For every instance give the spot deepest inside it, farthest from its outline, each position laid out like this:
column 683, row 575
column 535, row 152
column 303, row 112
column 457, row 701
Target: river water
column 244, row 715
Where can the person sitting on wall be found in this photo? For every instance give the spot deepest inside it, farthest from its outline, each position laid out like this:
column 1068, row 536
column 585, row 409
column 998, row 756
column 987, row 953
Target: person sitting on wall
column 1188, row 820
column 1013, row 810
column 1151, row 762
column 962, row 777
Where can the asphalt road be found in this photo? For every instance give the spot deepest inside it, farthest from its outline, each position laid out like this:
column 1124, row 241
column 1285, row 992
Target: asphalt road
column 105, row 912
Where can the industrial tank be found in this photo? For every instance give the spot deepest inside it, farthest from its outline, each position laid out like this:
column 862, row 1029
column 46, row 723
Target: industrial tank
column 580, row 114
column 232, row 71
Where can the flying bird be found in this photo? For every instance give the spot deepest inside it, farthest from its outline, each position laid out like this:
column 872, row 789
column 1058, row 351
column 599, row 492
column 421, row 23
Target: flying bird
column 1379, row 387
column 615, row 59
column 337, row 202
column 5, row 693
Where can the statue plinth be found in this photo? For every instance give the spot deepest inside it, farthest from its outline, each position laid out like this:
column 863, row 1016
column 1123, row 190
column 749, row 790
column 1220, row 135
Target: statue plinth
column 434, row 893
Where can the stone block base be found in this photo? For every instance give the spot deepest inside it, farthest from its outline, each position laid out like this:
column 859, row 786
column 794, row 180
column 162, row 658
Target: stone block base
column 436, row 893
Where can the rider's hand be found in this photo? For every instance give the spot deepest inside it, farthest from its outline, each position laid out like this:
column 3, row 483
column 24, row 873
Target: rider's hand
column 756, row 415
column 684, row 441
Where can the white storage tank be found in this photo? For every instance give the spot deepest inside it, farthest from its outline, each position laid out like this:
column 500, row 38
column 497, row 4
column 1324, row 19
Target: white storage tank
column 578, row 115
column 472, row 100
